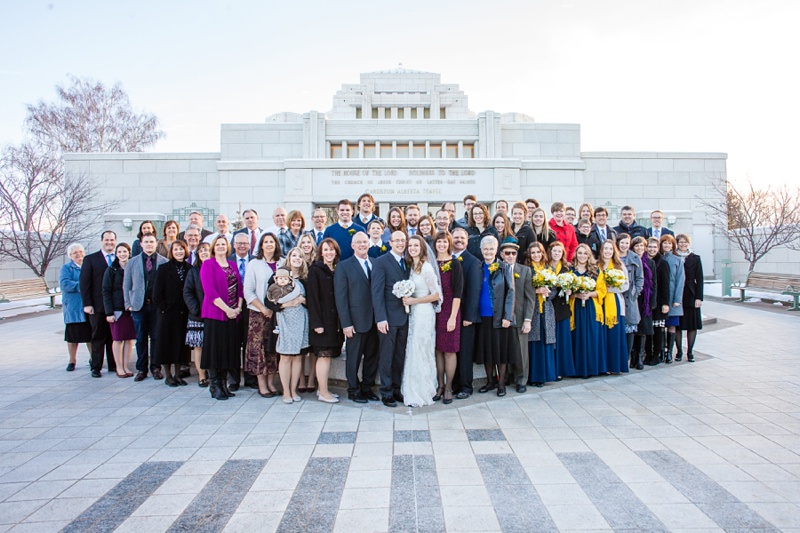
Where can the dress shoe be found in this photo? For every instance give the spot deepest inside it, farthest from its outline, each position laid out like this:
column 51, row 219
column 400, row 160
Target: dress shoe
column 486, row 388
column 181, row 382
column 96, row 373
column 398, row 397
column 326, row 400
column 439, row 394
column 202, row 383
column 388, row 401
column 690, row 357
column 521, row 389
column 538, row 384
column 129, row 374
column 447, row 399
column 501, row 391
column 71, row 367
column 559, row 378
column 297, row 399
column 463, row 395
column 356, row 398
column 171, row 381
column 184, row 373
column 371, row 396
column 268, row 394
column 233, row 386
column 140, row 376
column 157, row 374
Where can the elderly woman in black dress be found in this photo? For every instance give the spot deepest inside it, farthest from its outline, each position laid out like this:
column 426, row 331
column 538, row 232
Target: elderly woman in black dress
column 173, row 315
column 496, row 339
column 77, row 329
column 325, row 333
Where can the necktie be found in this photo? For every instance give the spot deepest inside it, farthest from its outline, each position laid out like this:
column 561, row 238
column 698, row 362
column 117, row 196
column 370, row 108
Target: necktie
column 319, row 237
column 657, row 233
column 369, row 270
column 148, row 264
column 402, row 265
column 242, row 267
column 109, row 259
column 412, row 232
column 603, row 234
column 189, row 259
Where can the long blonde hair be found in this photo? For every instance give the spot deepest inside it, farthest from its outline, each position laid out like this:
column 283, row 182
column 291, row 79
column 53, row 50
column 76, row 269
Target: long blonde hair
column 591, row 263
column 302, row 272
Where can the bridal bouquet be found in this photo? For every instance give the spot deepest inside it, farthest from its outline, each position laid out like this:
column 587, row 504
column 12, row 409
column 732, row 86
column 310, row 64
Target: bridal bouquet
column 403, row 289
column 614, row 278
column 544, row 278
column 585, row 284
column 568, row 283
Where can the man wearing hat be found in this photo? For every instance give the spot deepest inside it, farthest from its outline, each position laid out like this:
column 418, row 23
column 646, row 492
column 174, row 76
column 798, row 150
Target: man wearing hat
column 523, row 308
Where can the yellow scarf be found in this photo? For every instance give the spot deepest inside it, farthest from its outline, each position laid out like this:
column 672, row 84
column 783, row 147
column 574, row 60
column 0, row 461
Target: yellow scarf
column 598, row 309
column 609, row 300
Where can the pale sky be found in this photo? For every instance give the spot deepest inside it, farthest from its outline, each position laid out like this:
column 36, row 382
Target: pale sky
column 637, row 75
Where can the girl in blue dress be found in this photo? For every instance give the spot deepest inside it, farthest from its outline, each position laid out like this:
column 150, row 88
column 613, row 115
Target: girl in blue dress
column 565, row 364
column 543, row 326
column 588, row 329
column 613, row 309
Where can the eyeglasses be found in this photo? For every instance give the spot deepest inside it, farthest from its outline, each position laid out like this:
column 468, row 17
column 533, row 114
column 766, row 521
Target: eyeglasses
column 509, row 252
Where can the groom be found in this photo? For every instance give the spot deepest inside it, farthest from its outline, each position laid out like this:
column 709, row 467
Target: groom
column 391, row 318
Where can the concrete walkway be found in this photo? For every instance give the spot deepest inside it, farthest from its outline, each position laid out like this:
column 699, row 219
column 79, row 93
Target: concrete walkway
column 708, row 446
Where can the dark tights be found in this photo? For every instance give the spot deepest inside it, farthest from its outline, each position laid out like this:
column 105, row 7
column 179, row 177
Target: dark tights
column 501, row 373
column 691, row 337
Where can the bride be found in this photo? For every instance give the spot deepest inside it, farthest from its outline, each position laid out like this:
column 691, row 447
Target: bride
column 419, row 373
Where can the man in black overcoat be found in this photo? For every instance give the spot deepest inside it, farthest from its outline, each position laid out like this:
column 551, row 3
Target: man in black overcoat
column 470, row 310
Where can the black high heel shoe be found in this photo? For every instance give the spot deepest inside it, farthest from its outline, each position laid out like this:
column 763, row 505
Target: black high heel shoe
column 439, row 393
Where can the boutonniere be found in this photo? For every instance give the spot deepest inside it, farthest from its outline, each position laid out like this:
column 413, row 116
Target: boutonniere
column 383, row 248
column 351, row 231
column 460, row 258
column 446, row 266
column 493, row 267
column 516, row 276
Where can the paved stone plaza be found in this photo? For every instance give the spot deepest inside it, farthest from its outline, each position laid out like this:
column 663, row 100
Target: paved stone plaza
column 708, row 446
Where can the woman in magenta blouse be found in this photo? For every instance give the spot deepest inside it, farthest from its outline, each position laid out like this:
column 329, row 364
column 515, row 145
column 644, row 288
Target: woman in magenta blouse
column 222, row 305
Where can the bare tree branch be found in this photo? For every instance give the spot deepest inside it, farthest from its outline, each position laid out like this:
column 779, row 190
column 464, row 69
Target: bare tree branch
column 756, row 220
column 42, row 210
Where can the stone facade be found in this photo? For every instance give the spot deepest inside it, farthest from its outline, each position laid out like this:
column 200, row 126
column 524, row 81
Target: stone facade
column 407, row 138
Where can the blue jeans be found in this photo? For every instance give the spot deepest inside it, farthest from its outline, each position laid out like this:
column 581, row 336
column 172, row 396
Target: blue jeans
column 145, row 322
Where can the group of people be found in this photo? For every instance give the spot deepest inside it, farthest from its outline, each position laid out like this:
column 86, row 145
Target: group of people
column 415, row 300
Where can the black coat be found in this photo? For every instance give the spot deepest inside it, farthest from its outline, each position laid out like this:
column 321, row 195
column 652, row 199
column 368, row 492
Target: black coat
column 634, row 230
column 524, row 237
column 91, row 282
column 662, row 287
column 592, row 241
column 170, row 341
column 471, row 294
column 322, row 312
column 693, row 286
column 475, row 236
column 610, row 233
column 646, row 322
column 193, row 294
column 546, row 239
column 113, row 297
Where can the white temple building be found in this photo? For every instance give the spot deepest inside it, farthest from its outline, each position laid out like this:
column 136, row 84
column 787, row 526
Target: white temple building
column 405, row 137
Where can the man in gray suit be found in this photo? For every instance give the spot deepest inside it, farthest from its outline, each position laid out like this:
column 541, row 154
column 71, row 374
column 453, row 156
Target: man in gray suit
column 523, row 309
column 137, row 287
column 391, row 317
column 351, row 282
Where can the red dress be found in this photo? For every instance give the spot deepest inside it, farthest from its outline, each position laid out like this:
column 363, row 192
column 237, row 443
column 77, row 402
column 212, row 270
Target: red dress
column 452, row 287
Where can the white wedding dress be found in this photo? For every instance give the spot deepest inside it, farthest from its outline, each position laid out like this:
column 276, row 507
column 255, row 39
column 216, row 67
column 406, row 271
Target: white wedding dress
column 419, row 372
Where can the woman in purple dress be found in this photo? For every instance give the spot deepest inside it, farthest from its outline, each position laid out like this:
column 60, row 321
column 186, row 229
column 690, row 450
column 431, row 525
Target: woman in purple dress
column 119, row 320
column 448, row 320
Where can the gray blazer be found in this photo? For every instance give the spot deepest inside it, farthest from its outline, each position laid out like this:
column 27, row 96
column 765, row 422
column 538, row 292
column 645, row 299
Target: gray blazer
column 524, row 295
column 677, row 278
column 636, row 280
column 501, row 287
column 133, row 282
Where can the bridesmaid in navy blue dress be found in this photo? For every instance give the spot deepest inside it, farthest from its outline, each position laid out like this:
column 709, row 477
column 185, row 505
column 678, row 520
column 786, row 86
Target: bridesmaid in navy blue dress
column 543, row 326
column 564, row 357
column 613, row 305
column 588, row 340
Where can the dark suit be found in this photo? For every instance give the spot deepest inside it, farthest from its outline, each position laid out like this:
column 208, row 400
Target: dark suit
column 610, row 234
column 664, row 231
column 91, row 285
column 354, row 305
column 470, row 312
column 524, row 298
column 235, row 374
column 203, row 234
column 389, row 308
